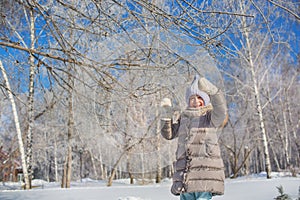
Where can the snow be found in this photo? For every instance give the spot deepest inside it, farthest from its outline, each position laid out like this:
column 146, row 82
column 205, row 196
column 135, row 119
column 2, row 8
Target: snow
column 246, row 188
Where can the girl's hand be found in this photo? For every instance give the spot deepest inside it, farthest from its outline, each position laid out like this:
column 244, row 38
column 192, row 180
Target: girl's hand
column 166, row 102
column 206, row 86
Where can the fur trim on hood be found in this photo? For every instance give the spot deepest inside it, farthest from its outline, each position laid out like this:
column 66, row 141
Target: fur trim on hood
column 197, row 112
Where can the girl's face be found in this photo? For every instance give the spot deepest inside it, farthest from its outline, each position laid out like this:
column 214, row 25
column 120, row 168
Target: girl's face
column 196, row 101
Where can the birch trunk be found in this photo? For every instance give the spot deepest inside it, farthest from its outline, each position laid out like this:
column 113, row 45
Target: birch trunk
column 259, row 110
column 17, row 124
column 261, row 116
column 286, row 138
column 55, row 161
column 30, row 106
column 93, row 164
column 158, row 128
column 294, row 128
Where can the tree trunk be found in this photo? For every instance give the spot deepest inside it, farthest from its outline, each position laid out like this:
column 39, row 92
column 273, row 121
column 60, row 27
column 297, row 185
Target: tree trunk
column 30, row 105
column 295, row 139
column 55, row 161
column 47, row 165
column 129, row 169
column 93, row 164
column 261, row 118
column 125, row 152
column 102, row 171
column 17, row 124
column 257, row 100
column 126, row 141
column 277, row 164
column 246, row 161
column 64, row 175
column 114, row 169
column 68, row 164
column 70, row 135
column 158, row 173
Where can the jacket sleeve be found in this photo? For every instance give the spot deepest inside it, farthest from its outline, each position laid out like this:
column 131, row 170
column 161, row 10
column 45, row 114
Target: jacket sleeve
column 219, row 114
column 169, row 130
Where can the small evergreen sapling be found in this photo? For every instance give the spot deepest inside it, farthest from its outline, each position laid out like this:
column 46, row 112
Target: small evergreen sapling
column 282, row 195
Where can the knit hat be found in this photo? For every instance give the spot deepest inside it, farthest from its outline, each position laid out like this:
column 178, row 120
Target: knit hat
column 194, row 90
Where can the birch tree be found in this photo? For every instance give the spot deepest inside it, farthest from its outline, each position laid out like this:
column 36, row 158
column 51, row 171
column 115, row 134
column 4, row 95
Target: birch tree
column 30, row 103
column 258, row 50
column 17, row 125
column 250, row 58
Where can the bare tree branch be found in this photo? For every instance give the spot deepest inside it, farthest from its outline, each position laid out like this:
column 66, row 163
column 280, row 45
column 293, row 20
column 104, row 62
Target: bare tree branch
column 286, row 9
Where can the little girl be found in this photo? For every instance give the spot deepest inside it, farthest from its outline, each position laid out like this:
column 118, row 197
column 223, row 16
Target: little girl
column 199, row 167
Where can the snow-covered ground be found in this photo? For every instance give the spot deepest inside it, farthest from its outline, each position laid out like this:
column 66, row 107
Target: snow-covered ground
column 254, row 187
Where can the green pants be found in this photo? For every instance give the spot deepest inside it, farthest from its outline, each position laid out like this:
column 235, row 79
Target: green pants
column 196, row 196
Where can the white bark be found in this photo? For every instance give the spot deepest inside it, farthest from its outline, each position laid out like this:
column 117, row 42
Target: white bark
column 102, row 171
column 286, row 138
column 30, row 106
column 250, row 58
column 55, row 160
column 158, row 128
column 290, row 122
column 93, row 163
column 17, row 124
column 260, row 112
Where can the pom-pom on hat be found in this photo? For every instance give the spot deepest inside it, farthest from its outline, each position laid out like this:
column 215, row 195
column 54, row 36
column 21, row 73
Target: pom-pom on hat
column 193, row 89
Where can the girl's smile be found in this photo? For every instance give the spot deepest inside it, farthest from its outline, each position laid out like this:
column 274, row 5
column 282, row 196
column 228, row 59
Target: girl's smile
column 196, row 101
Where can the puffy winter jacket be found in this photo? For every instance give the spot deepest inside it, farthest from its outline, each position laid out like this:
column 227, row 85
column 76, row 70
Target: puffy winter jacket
column 198, row 166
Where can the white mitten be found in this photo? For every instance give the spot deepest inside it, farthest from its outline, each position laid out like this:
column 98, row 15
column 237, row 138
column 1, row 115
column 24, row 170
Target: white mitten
column 206, row 86
column 166, row 102
column 166, row 109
